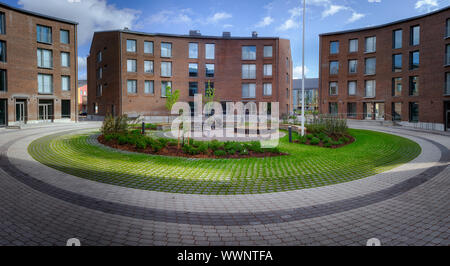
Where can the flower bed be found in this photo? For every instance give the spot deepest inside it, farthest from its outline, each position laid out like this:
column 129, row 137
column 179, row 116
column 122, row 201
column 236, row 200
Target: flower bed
column 326, row 141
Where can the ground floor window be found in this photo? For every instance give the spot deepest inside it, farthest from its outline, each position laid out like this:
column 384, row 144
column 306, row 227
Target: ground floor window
column 413, row 112
column 397, row 111
column 46, row 110
column 193, row 88
column 65, row 109
column 351, row 109
column 3, row 112
column 368, row 110
column 333, row 108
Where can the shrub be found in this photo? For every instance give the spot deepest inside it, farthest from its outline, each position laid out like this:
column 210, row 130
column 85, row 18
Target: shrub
column 274, row 150
column 231, row 151
column 255, row 146
column 189, row 149
column 141, row 143
column 331, row 125
column 322, row 136
column 244, row 152
column 315, row 141
column 328, row 144
column 110, row 137
column 203, row 148
column 344, row 139
column 115, row 125
column 309, row 136
column 215, row 145
column 122, row 139
column 220, row 153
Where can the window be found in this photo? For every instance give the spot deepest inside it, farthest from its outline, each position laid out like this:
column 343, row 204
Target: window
column 333, row 88
column 352, row 87
column 209, row 70
column 193, row 88
column 65, row 83
column 65, row 59
column 413, row 112
column 447, row 28
column 333, row 108
column 44, row 34
column 210, row 50
column 351, row 109
column 65, row 108
column 2, row 23
column 447, row 82
column 397, row 39
column 414, row 60
column 248, row 52
column 414, row 86
column 2, row 51
column 397, row 111
column 209, row 88
column 148, row 67
column 166, row 69
column 44, row 58
column 3, row 80
column 268, row 50
column 334, row 67
column 334, row 47
column 165, row 86
column 371, row 65
column 131, row 46
column 193, row 50
column 287, row 93
column 248, row 90
column 132, row 86
column 352, row 66
column 96, row 108
column 99, row 57
column 267, row 89
column 64, row 36
column 131, row 65
column 45, row 84
column 193, row 70
column 353, row 46
column 99, row 73
column 166, row 49
column 447, row 54
column 148, row 47
column 397, row 87
column 370, row 86
column 415, row 35
column 268, row 70
column 149, row 87
column 99, row 90
column 397, row 62
column 371, row 44
column 249, row 71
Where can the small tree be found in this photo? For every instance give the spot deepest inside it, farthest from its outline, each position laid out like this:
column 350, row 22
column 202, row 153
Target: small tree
column 171, row 99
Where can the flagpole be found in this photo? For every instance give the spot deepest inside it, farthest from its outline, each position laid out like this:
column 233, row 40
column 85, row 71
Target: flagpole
column 303, row 70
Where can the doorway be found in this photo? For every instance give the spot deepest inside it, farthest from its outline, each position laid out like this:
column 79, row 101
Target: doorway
column 46, row 110
column 21, row 111
column 447, row 115
column 379, row 111
column 3, row 112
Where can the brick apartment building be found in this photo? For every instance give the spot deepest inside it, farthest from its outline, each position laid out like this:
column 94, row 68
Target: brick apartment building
column 129, row 71
column 398, row 71
column 311, row 94
column 38, row 67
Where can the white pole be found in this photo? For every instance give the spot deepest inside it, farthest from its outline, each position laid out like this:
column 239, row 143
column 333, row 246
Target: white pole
column 303, row 70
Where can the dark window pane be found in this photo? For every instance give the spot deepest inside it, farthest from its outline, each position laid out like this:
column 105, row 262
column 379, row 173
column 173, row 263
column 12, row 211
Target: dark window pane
column 334, row 47
column 65, row 108
column 414, row 86
column 2, row 51
column 3, row 82
column 413, row 112
column 193, row 88
column 397, row 63
column 2, row 23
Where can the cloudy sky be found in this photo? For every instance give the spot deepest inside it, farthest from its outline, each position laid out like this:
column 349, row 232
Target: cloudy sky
column 241, row 17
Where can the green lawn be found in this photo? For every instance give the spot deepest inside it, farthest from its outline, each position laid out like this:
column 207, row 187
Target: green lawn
column 305, row 167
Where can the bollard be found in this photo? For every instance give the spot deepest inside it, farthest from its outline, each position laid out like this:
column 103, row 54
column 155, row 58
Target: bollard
column 143, row 128
column 290, row 134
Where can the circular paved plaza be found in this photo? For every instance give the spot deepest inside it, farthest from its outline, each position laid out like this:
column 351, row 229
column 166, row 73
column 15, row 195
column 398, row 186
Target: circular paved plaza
column 43, row 204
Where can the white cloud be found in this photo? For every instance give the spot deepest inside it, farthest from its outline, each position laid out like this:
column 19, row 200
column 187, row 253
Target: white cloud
column 219, row 16
column 226, row 26
column 92, row 15
column 355, row 16
column 169, row 16
column 332, row 9
column 427, row 5
column 374, row 1
column 298, row 72
column 292, row 21
column 265, row 22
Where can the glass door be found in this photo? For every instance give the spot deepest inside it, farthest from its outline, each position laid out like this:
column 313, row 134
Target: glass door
column 3, row 112
column 379, row 111
column 20, row 111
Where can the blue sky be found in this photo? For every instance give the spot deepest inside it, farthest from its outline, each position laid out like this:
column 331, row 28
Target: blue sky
column 268, row 17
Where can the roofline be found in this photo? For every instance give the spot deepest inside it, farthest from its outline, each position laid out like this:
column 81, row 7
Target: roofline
column 387, row 24
column 37, row 14
column 187, row 36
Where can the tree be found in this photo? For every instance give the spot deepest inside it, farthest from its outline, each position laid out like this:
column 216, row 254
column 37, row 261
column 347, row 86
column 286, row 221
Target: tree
column 171, row 99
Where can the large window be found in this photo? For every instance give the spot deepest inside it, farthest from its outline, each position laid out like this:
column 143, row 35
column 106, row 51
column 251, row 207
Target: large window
column 2, row 23
column 193, row 88
column 334, row 67
column 65, row 83
column 249, row 71
column 100, row 73
column 352, row 66
column 415, row 35
column 44, row 58
column 447, row 83
column 414, row 86
column 44, row 34
column 248, row 52
column 45, row 84
column 268, row 70
column 132, row 86
column 64, row 36
column 149, row 87
column 268, row 50
column 148, row 47
column 414, row 60
column 353, row 46
column 166, row 49
column 370, row 66
column 397, row 111
column 193, row 70
column 447, row 54
column 352, row 88
column 65, row 108
column 447, row 28
column 3, row 80
column 165, row 86
column 209, row 70
column 131, row 46
column 131, row 65
column 370, row 44
column 397, row 87
column 193, row 50
column 397, row 62
column 397, row 39
column 413, row 112
column 99, row 57
column 333, row 108
column 99, row 90
column 369, row 90
column 148, row 66
column 351, row 109
column 267, row 89
column 166, row 69
column 210, row 50
column 65, row 59
column 248, row 90
column 333, row 88
column 334, row 47
column 2, row 51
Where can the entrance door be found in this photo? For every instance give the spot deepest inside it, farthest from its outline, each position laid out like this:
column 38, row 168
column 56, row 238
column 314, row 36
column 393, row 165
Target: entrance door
column 3, row 112
column 368, row 111
column 379, row 111
column 447, row 115
column 21, row 111
column 46, row 110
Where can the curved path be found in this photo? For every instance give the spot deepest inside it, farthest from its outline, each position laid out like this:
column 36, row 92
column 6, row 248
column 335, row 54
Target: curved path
column 408, row 205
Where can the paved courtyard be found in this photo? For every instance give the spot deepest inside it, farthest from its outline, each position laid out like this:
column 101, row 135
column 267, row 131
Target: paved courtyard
column 407, row 205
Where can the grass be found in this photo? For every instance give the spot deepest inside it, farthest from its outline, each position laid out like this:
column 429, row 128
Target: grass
column 305, row 167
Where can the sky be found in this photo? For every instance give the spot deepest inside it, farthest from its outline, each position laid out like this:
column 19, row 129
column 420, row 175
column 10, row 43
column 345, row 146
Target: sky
column 270, row 18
